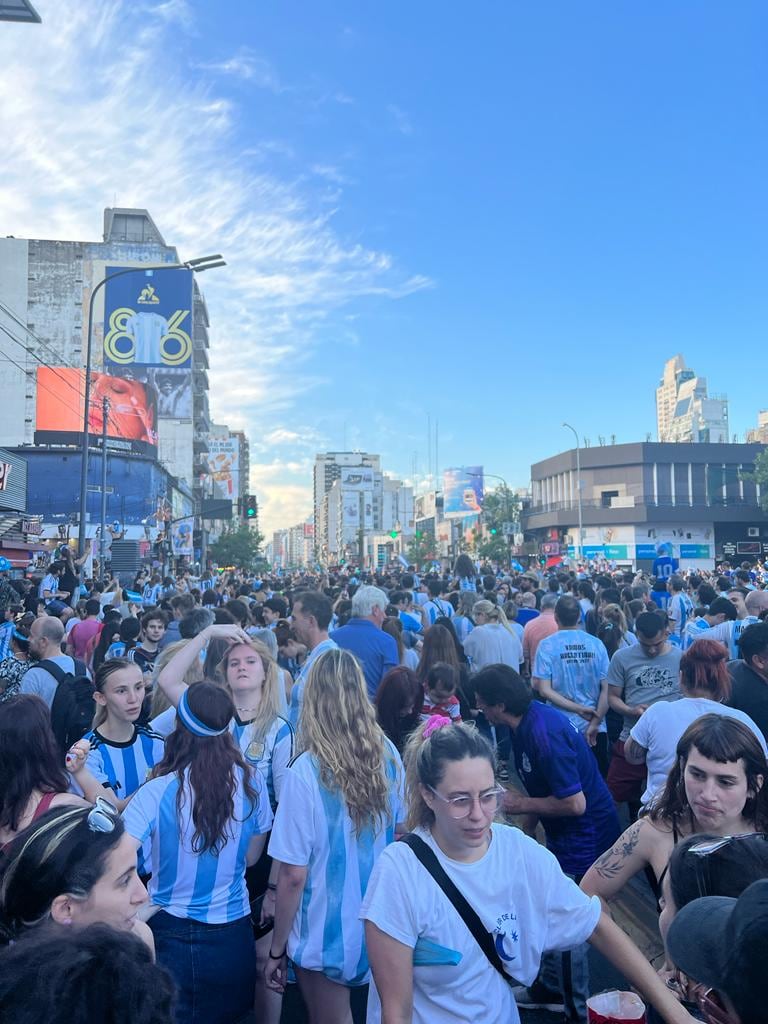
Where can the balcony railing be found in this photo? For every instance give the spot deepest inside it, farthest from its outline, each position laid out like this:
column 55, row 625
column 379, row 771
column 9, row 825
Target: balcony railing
column 639, row 501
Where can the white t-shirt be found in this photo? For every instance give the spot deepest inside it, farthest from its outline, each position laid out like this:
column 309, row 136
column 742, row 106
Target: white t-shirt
column 312, row 828
column 493, row 644
column 659, row 730
column 523, row 899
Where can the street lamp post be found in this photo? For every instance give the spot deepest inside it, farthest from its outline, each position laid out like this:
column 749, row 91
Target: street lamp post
column 579, row 546
column 196, row 266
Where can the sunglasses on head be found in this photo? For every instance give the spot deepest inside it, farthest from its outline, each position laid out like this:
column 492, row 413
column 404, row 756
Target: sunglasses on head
column 103, row 816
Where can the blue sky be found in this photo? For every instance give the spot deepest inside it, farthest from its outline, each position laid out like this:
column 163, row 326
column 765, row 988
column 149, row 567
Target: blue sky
column 499, row 216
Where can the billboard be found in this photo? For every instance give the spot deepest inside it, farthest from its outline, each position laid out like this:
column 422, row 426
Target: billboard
column 132, row 418
column 356, row 478
column 182, row 534
column 224, row 467
column 462, row 491
column 148, row 334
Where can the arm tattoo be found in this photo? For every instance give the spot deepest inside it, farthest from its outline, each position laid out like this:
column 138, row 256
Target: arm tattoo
column 612, row 862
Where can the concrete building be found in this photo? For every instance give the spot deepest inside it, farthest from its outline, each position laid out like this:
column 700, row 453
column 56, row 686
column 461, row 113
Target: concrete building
column 759, row 434
column 698, row 498
column 150, row 330
column 685, row 413
column 328, row 469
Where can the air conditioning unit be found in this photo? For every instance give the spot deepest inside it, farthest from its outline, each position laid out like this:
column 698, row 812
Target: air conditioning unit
column 753, row 531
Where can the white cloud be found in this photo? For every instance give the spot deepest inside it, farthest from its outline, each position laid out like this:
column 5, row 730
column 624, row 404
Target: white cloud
column 402, row 121
column 249, row 67
column 94, row 108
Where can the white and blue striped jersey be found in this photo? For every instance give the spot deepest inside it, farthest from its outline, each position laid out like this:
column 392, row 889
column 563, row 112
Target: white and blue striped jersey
column 124, row 766
column 151, row 593
column 297, row 691
column 693, row 630
column 271, row 756
column 437, row 607
column 680, row 610
column 208, row 887
column 313, row 829
column 728, row 633
column 6, row 632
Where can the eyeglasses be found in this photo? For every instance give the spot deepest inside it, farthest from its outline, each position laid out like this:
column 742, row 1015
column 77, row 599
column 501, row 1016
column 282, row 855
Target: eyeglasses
column 103, row 816
column 460, row 806
column 708, row 846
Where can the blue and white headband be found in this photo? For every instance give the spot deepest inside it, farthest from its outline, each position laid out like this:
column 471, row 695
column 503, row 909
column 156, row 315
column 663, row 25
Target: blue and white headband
column 192, row 723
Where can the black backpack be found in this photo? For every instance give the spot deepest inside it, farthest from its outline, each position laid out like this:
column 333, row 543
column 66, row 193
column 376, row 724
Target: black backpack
column 72, row 708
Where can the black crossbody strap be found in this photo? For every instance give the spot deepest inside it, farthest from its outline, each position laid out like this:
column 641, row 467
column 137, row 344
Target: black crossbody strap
column 467, row 914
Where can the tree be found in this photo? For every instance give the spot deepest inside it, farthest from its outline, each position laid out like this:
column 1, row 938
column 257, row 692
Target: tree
column 495, row 549
column 238, row 547
column 421, row 548
column 760, row 477
column 500, row 506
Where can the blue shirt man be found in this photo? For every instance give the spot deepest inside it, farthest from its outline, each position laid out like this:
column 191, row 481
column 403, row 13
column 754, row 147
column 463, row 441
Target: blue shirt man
column 363, row 636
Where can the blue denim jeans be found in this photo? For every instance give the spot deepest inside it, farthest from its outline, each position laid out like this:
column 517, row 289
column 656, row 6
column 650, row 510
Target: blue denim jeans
column 213, row 965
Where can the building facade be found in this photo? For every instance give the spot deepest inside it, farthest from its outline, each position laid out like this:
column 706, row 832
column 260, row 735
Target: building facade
column 361, row 474
column 698, row 498
column 685, row 412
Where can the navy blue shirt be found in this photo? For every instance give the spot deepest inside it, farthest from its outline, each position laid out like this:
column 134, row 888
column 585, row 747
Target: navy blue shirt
column 374, row 649
column 553, row 759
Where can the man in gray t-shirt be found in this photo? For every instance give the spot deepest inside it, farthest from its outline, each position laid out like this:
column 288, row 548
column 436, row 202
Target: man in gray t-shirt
column 639, row 676
column 45, row 638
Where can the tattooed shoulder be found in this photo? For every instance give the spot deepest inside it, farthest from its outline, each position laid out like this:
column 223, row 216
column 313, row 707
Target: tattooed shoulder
column 611, row 863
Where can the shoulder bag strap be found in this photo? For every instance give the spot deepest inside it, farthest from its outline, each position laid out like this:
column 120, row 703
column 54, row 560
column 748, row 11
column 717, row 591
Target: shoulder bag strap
column 51, row 668
column 467, row 914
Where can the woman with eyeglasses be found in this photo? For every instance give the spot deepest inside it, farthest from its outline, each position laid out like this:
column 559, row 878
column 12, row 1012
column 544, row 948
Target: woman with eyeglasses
column 342, row 800
column 204, row 814
column 73, row 866
column 32, row 774
column 715, row 786
column 427, row 964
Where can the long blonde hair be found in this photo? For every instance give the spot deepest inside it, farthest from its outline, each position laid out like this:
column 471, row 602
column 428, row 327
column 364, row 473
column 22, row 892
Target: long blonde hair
column 338, row 727
column 269, row 705
column 494, row 613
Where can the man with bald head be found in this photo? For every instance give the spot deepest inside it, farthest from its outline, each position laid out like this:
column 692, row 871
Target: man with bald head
column 748, row 609
column 45, row 639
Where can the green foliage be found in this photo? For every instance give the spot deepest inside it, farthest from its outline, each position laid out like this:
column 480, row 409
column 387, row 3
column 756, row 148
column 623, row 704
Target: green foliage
column 496, row 549
column 238, row 547
column 760, row 476
column 420, row 549
column 500, row 506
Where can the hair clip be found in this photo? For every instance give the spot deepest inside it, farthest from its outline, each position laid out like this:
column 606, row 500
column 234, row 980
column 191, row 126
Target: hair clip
column 433, row 723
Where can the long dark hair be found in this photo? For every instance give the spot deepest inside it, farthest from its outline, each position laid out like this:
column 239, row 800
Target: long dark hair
column 29, row 756
column 400, row 688
column 438, row 646
column 719, row 738
column 56, row 854
column 109, row 628
column 207, row 767
column 726, row 871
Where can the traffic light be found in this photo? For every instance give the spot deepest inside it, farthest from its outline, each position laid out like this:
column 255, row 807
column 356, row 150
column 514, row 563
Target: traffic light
column 418, row 535
column 251, row 508
column 393, row 534
column 493, row 531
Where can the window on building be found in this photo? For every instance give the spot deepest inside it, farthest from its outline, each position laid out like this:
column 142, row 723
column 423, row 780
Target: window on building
column 606, row 497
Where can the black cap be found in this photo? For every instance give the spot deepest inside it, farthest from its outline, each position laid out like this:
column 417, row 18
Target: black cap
column 723, row 943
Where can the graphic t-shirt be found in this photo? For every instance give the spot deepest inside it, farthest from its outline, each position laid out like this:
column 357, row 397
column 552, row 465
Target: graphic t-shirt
column 520, row 894
column 553, row 759
column 643, row 680
column 576, row 663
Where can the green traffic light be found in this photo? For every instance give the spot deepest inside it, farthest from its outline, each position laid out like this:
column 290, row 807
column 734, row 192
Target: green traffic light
column 393, row 534
column 493, row 531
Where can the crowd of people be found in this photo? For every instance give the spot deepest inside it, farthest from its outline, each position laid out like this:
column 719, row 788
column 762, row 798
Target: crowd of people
column 408, row 798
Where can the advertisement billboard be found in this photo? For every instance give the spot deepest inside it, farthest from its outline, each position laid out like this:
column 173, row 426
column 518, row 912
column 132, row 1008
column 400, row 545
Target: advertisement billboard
column 148, row 334
column 224, row 467
column 182, row 534
column 356, row 478
column 132, row 418
column 462, row 491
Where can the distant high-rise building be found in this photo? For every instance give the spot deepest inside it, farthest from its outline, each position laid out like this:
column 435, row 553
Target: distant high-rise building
column 759, row 433
column 328, row 469
column 685, row 412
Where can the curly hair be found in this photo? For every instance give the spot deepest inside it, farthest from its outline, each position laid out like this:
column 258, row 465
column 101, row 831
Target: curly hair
column 338, row 727
column 207, row 768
